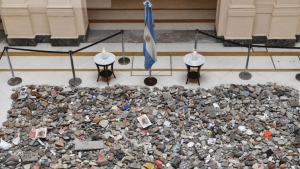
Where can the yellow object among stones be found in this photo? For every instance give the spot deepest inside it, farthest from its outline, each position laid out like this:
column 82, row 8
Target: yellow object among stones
column 149, row 165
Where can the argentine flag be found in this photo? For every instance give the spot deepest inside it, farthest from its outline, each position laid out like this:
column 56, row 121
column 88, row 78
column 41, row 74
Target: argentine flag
column 149, row 49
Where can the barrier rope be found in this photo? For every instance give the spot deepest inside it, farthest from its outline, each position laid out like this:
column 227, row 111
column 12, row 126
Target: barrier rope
column 48, row 51
column 247, row 46
column 3, row 52
column 98, row 42
column 32, row 50
column 197, row 31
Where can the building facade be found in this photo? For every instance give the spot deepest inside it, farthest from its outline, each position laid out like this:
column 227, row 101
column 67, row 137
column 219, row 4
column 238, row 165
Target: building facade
column 67, row 22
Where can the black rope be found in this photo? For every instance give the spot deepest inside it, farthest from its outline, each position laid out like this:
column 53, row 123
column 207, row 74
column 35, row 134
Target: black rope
column 98, row 42
column 32, row 50
column 197, row 30
column 47, row 51
column 259, row 46
column 287, row 47
column 3, row 52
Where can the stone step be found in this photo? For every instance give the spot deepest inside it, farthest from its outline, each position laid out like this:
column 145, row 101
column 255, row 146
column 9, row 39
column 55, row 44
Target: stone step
column 158, row 15
column 109, row 19
column 157, row 4
column 158, row 26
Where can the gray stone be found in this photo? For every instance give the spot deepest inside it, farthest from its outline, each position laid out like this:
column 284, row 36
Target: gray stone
column 89, row 145
column 103, row 123
column 186, row 165
column 29, row 157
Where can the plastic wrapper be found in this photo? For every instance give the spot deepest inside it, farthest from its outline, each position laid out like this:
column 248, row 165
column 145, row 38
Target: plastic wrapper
column 5, row 145
column 167, row 123
column 17, row 140
column 53, row 152
column 41, row 142
column 18, row 152
column 211, row 141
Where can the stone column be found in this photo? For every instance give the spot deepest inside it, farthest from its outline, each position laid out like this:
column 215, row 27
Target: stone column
column 39, row 20
column 240, row 19
column 284, row 24
column 17, row 23
column 262, row 21
column 68, row 22
column 61, row 22
column 221, row 18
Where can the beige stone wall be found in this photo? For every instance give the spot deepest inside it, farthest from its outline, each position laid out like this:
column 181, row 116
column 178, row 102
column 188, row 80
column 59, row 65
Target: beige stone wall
column 99, row 3
column 58, row 18
column 242, row 19
column 158, row 4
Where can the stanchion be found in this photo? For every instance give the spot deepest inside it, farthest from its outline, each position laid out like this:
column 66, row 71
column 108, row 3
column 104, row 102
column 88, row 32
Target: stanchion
column 75, row 81
column 298, row 75
column 246, row 75
column 171, row 64
column 150, row 81
column 14, row 80
column 132, row 63
column 196, row 39
column 124, row 60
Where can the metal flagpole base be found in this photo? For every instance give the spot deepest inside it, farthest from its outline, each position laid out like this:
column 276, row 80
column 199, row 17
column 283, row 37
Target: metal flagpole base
column 72, row 83
column 14, row 81
column 150, row 81
column 245, row 76
column 124, row 61
column 298, row 77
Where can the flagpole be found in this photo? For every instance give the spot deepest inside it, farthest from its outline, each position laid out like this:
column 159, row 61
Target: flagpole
column 150, row 81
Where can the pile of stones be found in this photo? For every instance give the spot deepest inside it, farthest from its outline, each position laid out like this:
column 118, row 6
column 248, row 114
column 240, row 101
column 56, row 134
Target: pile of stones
column 137, row 127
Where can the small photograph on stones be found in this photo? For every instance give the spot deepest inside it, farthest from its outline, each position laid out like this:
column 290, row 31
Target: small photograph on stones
column 41, row 133
column 144, row 121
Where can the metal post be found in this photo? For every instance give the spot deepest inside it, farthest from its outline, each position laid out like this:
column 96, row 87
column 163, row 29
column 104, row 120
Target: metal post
column 74, row 81
column 124, row 60
column 246, row 69
column 123, row 52
column 298, row 75
column 9, row 63
column 132, row 63
column 196, row 40
column 150, row 72
column 246, row 75
column 171, row 64
column 14, row 80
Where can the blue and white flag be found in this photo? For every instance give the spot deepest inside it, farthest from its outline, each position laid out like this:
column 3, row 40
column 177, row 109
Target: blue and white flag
column 149, row 49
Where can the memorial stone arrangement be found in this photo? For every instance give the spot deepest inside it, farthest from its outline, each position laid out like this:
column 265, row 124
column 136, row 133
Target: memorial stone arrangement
column 137, row 127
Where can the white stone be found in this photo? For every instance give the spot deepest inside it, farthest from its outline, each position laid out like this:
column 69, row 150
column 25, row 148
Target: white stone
column 190, row 144
column 242, row 128
column 249, row 132
column 103, row 123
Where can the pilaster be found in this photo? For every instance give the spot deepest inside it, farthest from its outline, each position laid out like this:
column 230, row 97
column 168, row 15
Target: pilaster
column 284, row 24
column 16, row 18
column 240, row 19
